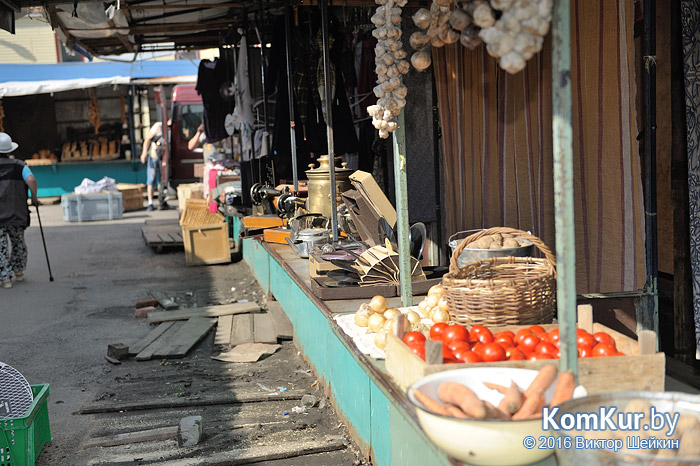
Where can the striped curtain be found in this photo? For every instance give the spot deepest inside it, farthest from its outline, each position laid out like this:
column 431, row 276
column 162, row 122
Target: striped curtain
column 497, row 145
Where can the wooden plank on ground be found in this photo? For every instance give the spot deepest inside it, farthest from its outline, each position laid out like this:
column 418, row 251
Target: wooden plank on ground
column 264, row 329
column 147, row 353
column 261, row 453
column 139, row 346
column 179, row 344
column 179, row 402
column 162, row 433
column 242, row 331
column 209, row 311
column 283, row 326
column 165, row 301
column 223, row 330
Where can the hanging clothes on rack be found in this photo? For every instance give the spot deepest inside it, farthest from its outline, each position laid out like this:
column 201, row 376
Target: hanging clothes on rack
column 210, row 76
column 243, row 118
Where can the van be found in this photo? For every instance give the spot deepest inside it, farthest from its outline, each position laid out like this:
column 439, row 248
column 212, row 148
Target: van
column 187, row 114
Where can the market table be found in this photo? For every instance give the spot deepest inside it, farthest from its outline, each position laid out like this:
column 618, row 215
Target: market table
column 376, row 410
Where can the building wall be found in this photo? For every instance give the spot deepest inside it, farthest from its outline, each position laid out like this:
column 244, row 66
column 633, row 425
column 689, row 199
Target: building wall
column 33, row 42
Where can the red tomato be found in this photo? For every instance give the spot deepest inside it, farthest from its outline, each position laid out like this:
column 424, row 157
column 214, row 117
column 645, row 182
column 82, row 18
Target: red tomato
column 604, row 349
column 602, row 337
column 437, row 330
column 493, row 352
column 584, row 338
column 418, row 349
column 411, row 337
column 553, row 336
column 471, row 356
column 542, row 356
column 585, row 351
column 460, row 353
column 514, row 354
column 506, row 333
column 557, row 355
column 450, row 361
column 485, row 337
column 455, row 332
column 476, row 330
column 458, row 345
column 520, row 335
column 478, row 348
column 505, row 339
column 529, row 343
column 447, row 353
column 545, row 347
column 537, row 330
column 503, row 344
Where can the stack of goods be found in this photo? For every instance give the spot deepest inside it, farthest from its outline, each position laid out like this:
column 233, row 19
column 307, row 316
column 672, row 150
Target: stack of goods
column 75, row 151
column 43, row 157
column 104, row 149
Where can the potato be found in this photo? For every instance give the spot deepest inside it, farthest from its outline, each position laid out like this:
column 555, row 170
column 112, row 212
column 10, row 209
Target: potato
column 473, row 245
column 484, row 243
column 496, row 245
column 510, row 243
column 497, row 237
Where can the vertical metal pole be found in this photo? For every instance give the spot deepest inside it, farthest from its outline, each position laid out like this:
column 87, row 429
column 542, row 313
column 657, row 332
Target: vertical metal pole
column 290, row 92
column 399, row 146
column 564, row 183
column 329, row 116
column 261, row 11
column 648, row 316
column 132, row 129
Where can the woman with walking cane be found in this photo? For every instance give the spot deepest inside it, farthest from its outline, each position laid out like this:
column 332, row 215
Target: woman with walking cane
column 15, row 178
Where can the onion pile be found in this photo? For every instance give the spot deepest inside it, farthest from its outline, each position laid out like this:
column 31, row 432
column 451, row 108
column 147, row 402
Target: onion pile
column 378, row 318
column 434, row 306
column 513, row 38
column 391, row 64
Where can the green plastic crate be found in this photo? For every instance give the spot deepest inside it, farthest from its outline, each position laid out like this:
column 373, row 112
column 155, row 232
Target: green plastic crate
column 21, row 439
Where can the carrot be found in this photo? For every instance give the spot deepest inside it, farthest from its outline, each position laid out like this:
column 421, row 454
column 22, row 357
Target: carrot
column 455, row 411
column 432, row 405
column 513, row 399
column 451, row 392
column 532, row 407
column 544, row 379
column 498, row 388
column 564, row 389
column 496, row 413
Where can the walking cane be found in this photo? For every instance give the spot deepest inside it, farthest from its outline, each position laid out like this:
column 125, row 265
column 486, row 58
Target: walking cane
column 44, row 241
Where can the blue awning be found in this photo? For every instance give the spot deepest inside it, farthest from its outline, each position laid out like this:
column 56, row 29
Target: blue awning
column 18, row 80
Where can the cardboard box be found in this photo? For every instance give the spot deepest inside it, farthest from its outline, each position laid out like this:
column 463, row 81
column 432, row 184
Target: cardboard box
column 363, row 216
column 365, row 184
column 189, row 191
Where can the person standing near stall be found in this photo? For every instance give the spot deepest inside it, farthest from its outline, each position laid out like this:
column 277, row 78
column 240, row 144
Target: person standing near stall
column 15, row 178
column 152, row 153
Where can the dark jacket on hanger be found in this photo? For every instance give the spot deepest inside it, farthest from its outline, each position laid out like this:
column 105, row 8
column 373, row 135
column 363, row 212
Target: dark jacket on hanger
column 210, row 77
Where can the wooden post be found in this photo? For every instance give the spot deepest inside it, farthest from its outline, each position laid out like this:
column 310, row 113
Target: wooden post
column 564, row 184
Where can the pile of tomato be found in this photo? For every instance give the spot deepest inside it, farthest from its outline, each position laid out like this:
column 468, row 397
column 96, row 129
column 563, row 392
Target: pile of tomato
column 479, row 344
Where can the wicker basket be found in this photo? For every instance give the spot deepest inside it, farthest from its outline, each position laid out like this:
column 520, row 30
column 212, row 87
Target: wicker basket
column 502, row 290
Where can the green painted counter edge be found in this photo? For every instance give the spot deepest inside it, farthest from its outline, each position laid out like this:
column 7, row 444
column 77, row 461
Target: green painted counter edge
column 62, row 178
column 369, row 402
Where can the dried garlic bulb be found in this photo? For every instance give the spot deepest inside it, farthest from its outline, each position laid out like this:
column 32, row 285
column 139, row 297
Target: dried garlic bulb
column 422, row 18
column 449, row 36
column 420, row 60
column 459, row 19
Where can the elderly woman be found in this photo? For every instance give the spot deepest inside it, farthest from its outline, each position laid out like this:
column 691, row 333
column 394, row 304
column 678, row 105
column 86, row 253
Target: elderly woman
column 15, row 178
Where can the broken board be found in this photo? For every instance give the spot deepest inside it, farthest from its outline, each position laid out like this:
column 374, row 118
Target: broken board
column 181, row 342
column 162, row 433
column 147, row 353
column 264, row 329
column 283, row 326
column 247, row 352
column 140, row 345
column 209, row 311
column 242, row 331
column 223, row 330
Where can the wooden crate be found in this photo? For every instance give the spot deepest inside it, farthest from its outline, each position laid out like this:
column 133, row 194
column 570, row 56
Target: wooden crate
column 642, row 369
column 132, row 196
column 204, row 234
column 189, row 191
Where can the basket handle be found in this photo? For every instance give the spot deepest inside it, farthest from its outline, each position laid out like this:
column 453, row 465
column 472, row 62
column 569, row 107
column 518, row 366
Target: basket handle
column 492, row 231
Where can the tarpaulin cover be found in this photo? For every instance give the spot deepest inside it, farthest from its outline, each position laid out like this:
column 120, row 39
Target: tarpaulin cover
column 17, row 80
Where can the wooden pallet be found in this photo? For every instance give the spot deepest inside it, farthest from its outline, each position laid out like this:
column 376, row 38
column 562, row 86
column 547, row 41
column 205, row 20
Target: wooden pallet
column 163, row 235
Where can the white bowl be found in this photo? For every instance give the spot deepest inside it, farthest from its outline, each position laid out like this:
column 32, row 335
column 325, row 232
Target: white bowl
column 488, row 442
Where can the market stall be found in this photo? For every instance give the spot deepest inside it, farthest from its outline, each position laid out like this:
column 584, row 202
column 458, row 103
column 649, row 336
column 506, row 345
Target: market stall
column 87, row 112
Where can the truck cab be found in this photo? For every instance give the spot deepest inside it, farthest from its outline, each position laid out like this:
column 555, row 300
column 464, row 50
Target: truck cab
column 187, row 114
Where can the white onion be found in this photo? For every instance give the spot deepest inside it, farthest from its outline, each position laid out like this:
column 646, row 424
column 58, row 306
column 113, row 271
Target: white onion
column 437, row 290
column 378, row 304
column 362, row 316
column 375, row 323
column 413, row 317
column 391, row 313
column 380, row 339
column 439, row 315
